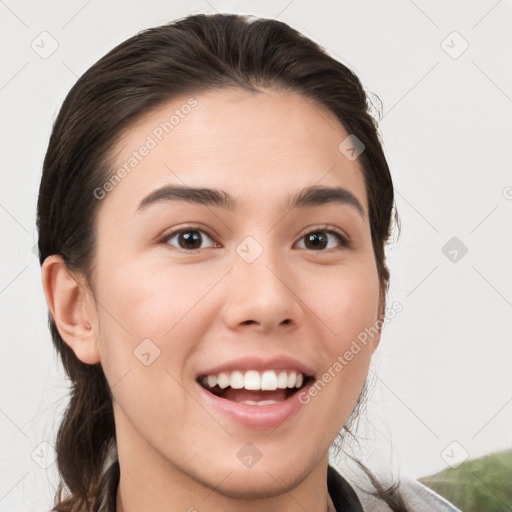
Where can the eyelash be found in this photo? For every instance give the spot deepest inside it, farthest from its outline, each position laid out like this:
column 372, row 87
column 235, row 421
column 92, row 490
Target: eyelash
column 344, row 242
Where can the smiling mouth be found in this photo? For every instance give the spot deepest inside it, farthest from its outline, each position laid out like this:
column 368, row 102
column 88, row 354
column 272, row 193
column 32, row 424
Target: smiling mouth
column 255, row 388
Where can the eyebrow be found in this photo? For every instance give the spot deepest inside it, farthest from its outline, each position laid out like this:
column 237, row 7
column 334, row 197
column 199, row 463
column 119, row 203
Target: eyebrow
column 308, row 197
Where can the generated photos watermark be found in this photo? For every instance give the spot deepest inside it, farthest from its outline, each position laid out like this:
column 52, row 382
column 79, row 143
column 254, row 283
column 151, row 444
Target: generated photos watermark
column 156, row 136
column 344, row 359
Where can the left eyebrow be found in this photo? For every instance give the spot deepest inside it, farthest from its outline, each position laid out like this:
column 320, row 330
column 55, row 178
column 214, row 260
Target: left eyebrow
column 318, row 195
column 308, row 197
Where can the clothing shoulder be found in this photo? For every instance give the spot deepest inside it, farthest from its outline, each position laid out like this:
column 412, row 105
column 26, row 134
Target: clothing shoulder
column 422, row 499
column 417, row 497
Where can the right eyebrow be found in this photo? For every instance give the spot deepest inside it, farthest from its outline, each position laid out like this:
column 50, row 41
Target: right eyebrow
column 197, row 195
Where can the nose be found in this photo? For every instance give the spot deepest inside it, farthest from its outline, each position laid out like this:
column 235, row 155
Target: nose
column 260, row 293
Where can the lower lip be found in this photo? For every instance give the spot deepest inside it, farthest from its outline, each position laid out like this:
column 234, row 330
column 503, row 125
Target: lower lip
column 256, row 416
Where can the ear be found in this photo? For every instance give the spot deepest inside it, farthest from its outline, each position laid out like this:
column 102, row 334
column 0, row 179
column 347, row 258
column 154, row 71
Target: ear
column 380, row 318
column 72, row 308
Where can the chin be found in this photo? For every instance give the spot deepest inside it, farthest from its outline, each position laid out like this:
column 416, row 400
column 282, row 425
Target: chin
column 258, row 484
column 264, row 479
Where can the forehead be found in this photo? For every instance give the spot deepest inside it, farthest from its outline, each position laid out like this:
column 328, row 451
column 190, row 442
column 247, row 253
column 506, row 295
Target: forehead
column 254, row 145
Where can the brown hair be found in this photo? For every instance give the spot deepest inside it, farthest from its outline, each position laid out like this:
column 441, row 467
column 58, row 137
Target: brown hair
column 187, row 56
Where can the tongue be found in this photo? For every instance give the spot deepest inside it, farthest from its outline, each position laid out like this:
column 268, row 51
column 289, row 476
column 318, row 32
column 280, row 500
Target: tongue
column 240, row 395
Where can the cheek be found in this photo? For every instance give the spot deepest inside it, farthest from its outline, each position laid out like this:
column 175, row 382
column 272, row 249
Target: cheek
column 134, row 309
column 151, row 314
column 346, row 301
column 347, row 305
column 149, row 301
column 147, row 338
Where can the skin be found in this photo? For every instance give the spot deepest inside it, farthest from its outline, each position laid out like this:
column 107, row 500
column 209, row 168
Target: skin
column 210, row 306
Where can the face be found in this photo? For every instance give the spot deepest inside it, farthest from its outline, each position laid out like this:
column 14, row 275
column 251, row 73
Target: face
column 198, row 300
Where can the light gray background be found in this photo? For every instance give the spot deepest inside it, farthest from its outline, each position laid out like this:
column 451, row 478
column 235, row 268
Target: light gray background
column 443, row 388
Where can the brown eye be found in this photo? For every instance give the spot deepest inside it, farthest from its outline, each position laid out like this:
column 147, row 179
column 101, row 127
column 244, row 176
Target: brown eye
column 188, row 239
column 319, row 239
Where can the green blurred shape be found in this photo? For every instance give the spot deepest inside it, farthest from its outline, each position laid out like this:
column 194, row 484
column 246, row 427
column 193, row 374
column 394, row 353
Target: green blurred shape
column 479, row 485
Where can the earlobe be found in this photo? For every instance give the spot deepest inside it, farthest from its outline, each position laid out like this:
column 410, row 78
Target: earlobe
column 72, row 312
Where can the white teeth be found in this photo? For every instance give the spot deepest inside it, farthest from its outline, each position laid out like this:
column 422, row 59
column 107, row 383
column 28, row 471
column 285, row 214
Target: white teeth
column 263, row 402
column 223, row 380
column 252, row 380
column 237, row 380
column 282, row 380
column 292, row 379
column 269, row 380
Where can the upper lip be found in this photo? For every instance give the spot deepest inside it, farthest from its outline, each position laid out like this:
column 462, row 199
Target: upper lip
column 260, row 364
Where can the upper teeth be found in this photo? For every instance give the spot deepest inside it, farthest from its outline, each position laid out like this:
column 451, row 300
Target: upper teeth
column 253, row 380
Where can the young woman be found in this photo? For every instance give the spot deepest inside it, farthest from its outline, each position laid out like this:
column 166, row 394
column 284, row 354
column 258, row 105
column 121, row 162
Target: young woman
column 212, row 217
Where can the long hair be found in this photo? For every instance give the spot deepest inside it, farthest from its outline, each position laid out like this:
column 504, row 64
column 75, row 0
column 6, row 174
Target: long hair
column 190, row 55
